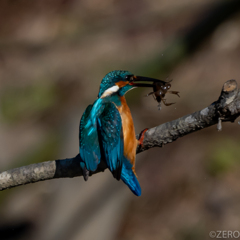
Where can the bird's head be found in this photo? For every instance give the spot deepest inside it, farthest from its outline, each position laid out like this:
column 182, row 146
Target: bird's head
column 120, row 82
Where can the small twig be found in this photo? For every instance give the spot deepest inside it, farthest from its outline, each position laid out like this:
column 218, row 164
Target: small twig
column 226, row 108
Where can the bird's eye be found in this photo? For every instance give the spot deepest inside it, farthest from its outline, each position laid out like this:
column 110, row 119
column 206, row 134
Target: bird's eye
column 127, row 77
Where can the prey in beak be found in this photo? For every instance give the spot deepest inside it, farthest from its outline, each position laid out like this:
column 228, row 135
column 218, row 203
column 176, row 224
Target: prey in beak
column 160, row 88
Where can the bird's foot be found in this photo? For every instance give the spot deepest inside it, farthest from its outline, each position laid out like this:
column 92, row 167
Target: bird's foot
column 141, row 138
column 85, row 174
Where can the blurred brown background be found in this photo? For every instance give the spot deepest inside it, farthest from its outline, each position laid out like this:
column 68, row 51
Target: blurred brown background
column 53, row 55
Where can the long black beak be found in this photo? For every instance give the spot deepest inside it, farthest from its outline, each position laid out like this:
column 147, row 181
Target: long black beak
column 138, row 81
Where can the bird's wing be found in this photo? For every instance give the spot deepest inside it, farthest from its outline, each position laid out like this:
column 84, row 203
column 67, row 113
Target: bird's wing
column 88, row 141
column 111, row 138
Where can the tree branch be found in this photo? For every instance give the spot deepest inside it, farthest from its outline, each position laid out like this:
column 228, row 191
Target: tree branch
column 226, row 108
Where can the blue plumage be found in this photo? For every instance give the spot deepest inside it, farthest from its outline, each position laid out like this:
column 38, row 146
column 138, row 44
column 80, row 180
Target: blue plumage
column 111, row 138
column 88, row 141
column 88, row 136
column 111, row 79
column 129, row 178
column 101, row 132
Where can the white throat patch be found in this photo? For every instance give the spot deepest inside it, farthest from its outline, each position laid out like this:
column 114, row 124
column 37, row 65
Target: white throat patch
column 110, row 91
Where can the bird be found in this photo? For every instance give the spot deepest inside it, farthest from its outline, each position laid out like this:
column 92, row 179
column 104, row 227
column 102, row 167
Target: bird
column 106, row 131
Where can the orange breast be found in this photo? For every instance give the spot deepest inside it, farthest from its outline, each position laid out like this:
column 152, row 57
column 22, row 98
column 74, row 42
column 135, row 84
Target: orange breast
column 130, row 142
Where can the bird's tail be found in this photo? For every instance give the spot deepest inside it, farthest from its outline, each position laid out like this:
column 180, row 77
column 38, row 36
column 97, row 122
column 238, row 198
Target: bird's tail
column 129, row 178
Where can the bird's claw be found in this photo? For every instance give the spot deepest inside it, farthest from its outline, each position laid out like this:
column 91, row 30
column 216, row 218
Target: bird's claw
column 141, row 138
column 85, row 174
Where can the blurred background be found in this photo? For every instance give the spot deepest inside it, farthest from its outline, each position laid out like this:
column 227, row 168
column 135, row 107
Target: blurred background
column 53, row 55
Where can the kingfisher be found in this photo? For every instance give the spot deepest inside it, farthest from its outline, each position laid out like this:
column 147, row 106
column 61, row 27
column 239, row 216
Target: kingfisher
column 106, row 131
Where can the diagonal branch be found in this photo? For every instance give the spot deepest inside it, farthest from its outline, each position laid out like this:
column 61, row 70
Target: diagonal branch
column 226, row 108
